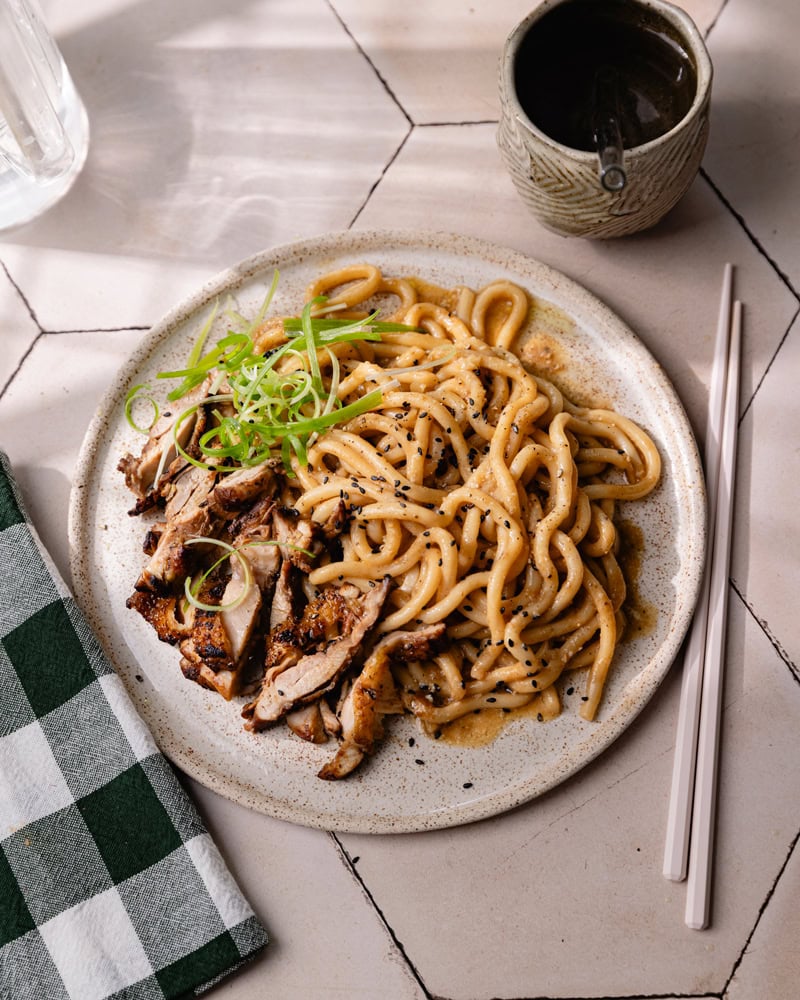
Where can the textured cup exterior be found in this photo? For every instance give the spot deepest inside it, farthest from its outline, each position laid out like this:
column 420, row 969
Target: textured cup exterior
column 562, row 188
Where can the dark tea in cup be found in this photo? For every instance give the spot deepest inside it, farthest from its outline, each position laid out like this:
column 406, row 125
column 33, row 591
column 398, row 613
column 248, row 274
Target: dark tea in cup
column 603, row 112
column 586, row 61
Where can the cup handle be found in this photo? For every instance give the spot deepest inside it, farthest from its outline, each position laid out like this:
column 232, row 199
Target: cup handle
column 43, row 149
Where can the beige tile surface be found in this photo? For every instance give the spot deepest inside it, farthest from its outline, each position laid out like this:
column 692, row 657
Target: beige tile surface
column 76, row 290
column 753, row 153
column 43, row 417
column 327, row 940
column 569, row 882
column 766, row 502
column 217, row 132
column 440, row 60
column 759, row 974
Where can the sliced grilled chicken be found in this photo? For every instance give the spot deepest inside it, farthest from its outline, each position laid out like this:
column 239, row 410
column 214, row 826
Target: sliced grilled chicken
column 165, row 612
column 188, row 516
column 373, row 695
column 238, row 491
column 159, row 449
column 306, row 722
column 342, row 623
column 298, row 537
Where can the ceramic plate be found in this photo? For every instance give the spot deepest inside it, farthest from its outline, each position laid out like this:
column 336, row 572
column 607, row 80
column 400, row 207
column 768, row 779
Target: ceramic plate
column 412, row 783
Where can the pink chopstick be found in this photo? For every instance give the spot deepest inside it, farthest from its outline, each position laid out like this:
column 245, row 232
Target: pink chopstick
column 693, row 791
column 698, row 889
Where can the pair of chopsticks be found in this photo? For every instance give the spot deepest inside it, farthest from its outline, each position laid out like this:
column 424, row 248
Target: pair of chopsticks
column 690, row 821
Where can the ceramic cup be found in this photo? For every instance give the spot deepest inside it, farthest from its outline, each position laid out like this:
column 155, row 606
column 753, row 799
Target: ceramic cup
column 636, row 177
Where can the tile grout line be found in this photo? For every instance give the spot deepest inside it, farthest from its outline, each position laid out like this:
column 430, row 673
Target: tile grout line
column 477, row 121
column 23, row 296
column 771, row 361
column 38, row 325
column 717, row 16
column 761, row 911
column 748, row 232
column 20, row 363
column 771, row 638
column 350, row 865
column 41, row 334
column 383, row 172
column 773, row 265
column 384, row 83
column 369, row 62
column 95, row 329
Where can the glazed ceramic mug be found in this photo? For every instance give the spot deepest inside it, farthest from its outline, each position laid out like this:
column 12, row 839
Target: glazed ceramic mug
column 604, row 112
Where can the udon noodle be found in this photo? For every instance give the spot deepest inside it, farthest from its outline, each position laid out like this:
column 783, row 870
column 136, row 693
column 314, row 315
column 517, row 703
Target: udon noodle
column 487, row 496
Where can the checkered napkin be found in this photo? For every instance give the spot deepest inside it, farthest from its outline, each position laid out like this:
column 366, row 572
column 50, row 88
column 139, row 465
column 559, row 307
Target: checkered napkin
column 109, row 884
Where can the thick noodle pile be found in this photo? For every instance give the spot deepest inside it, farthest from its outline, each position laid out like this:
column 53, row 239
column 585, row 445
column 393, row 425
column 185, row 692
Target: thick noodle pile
column 412, row 521
column 484, row 494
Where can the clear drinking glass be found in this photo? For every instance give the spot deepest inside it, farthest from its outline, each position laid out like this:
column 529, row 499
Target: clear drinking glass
column 44, row 129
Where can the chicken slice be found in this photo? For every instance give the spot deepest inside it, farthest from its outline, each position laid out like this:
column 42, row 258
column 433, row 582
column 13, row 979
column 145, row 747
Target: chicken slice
column 297, row 537
column 241, row 621
column 373, row 695
column 165, row 613
column 159, row 449
column 350, row 618
column 187, row 516
column 207, row 652
column 306, row 722
column 239, row 490
column 282, row 609
column 330, row 720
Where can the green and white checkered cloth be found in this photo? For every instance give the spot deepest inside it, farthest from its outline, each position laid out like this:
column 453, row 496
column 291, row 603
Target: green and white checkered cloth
column 110, row 886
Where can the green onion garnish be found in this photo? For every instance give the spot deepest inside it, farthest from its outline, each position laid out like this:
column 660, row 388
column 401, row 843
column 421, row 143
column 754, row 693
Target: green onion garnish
column 136, row 394
column 265, row 411
column 192, row 588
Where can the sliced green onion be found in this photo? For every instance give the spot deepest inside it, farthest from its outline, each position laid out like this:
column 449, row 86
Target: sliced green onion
column 311, row 342
column 369, row 325
column 135, row 394
column 192, row 360
column 269, row 409
column 192, row 589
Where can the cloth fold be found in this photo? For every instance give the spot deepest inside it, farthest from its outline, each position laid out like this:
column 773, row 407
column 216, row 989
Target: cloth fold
column 110, row 886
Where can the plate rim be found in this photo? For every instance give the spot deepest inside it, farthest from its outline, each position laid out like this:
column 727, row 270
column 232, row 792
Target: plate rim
column 205, row 771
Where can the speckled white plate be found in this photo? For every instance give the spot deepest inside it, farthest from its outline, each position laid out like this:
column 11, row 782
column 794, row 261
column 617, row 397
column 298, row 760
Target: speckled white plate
column 431, row 784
